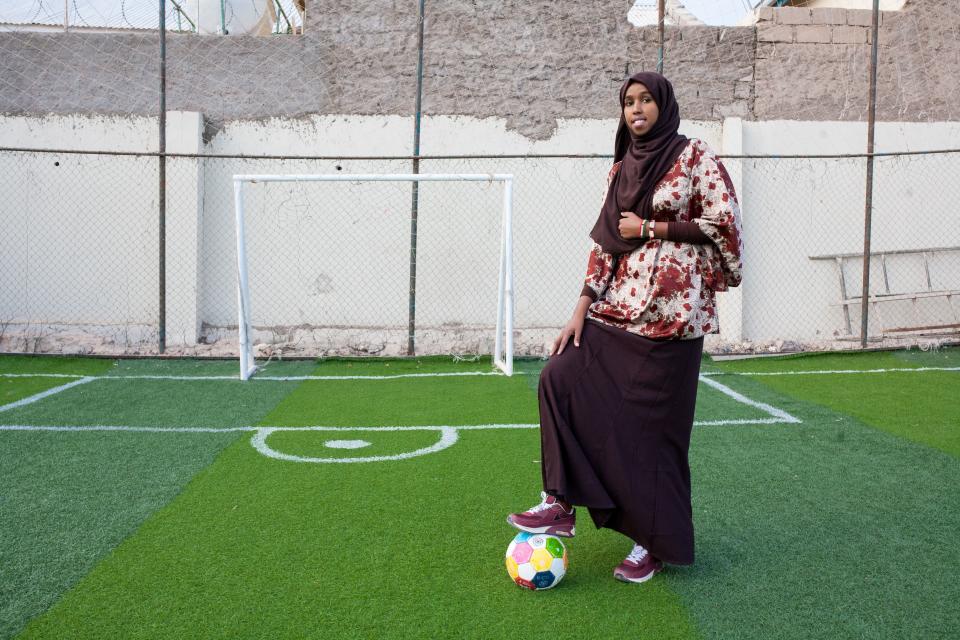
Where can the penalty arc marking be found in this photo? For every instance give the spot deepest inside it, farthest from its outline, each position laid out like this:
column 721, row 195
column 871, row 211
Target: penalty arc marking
column 448, row 438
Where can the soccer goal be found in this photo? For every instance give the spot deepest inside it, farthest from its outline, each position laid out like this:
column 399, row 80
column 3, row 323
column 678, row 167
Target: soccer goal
column 304, row 273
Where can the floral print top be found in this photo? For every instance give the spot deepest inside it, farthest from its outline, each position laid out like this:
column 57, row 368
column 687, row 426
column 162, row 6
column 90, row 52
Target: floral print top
column 664, row 289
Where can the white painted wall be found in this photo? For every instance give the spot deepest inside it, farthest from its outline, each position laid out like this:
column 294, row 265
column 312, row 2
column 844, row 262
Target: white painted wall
column 796, row 209
column 80, row 239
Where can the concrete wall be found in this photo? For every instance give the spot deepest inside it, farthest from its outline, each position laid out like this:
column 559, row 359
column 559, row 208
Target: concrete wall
column 503, row 77
column 798, row 209
column 531, row 63
column 81, row 245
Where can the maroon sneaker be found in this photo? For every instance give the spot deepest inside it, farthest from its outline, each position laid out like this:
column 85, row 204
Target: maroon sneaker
column 638, row 566
column 548, row 517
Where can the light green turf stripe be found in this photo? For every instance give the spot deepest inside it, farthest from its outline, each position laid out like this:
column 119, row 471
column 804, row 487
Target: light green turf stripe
column 947, row 357
column 358, row 550
column 260, row 548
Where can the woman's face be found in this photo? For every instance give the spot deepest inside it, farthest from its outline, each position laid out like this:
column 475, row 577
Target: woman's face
column 640, row 112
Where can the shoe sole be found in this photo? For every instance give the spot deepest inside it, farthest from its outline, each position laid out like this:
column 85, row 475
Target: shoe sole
column 622, row 578
column 550, row 531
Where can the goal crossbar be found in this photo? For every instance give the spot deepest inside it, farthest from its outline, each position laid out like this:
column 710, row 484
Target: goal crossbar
column 503, row 343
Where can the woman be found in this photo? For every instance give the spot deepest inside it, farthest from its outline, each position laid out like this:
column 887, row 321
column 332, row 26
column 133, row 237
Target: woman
column 616, row 410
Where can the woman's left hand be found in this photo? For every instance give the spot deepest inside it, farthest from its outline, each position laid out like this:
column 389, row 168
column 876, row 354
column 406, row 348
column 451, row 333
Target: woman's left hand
column 631, row 225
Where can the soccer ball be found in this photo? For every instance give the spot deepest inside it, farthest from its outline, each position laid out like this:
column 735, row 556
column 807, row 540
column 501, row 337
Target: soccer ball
column 536, row 561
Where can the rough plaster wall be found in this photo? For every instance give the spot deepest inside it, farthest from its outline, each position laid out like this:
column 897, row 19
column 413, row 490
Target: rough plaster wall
column 527, row 62
column 225, row 78
column 813, row 64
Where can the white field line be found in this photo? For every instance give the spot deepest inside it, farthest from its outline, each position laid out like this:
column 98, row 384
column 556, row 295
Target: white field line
column 779, row 414
column 827, row 371
column 262, row 378
column 44, row 394
column 94, row 428
column 708, row 374
column 449, row 435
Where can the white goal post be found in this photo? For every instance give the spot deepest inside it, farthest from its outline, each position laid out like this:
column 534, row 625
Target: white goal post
column 503, row 344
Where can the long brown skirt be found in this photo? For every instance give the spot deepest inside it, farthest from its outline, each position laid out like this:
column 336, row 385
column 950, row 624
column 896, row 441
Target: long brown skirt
column 615, row 420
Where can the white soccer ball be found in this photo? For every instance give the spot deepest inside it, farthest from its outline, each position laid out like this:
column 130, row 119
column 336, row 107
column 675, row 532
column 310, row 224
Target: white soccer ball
column 536, row 561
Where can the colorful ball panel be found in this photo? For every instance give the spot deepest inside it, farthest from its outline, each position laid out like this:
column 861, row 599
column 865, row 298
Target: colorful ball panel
column 538, row 541
column 512, row 568
column 543, row 580
column 555, row 547
column 541, row 559
column 526, row 584
column 521, row 552
column 526, row 571
column 558, row 566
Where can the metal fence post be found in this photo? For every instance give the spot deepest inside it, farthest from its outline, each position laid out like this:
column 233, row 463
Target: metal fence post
column 415, row 202
column 661, row 10
column 162, row 157
column 868, row 206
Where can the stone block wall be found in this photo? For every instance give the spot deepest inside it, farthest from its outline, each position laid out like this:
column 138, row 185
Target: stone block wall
column 813, row 64
column 529, row 63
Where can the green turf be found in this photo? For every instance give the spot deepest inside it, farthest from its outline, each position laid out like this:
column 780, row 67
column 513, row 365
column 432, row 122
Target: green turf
column 825, row 529
column 408, row 401
column 395, row 366
column 923, row 406
column 67, row 499
column 155, row 403
column 13, row 389
column 261, row 548
column 197, row 367
column 947, row 357
column 842, row 526
column 55, row 364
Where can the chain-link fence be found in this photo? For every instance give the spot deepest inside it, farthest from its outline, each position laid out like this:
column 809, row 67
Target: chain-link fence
column 329, row 262
column 90, row 262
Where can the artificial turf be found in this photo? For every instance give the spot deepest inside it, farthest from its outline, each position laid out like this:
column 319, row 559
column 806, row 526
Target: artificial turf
column 14, row 388
column 922, row 406
column 841, row 526
column 68, row 499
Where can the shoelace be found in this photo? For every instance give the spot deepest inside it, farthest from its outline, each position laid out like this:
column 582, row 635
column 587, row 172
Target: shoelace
column 544, row 505
column 638, row 554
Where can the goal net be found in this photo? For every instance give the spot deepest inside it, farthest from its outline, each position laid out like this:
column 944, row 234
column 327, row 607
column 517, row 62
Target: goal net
column 378, row 264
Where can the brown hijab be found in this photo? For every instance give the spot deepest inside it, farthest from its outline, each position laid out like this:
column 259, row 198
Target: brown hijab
column 645, row 159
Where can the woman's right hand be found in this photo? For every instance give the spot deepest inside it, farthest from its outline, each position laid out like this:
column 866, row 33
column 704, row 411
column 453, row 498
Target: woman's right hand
column 573, row 328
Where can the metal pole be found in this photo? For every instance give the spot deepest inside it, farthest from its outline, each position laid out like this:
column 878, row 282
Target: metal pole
column 66, row 15
column 661, row 10
column 162, row 322
column 223, row 17
column 868, row 206
column 415, row 203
